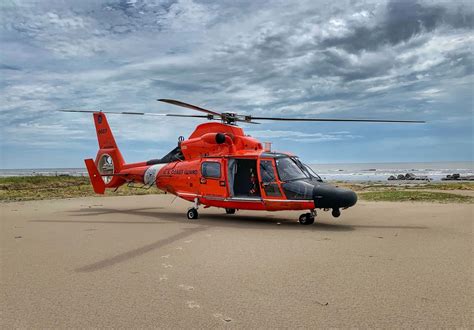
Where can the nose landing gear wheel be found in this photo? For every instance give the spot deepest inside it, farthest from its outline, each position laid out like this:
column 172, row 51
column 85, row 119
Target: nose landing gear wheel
column 306, row 219
column 230, row 211
column 192, row 214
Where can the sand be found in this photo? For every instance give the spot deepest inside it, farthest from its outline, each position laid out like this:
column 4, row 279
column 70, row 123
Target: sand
column 138, row 262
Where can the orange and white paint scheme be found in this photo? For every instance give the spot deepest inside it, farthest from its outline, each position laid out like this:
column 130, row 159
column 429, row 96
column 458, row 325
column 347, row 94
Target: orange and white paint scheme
column 220, row 166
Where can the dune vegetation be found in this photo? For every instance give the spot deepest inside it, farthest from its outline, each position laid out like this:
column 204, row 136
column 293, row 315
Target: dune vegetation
column 414, row 196
column 54, row 187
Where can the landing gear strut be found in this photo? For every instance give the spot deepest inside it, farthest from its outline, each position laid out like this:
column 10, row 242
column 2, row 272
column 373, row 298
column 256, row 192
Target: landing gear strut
column 307, row 218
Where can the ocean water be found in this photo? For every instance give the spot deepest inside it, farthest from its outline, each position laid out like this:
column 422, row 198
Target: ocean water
column 330, row 172
column 44, row 172
column 381, row 171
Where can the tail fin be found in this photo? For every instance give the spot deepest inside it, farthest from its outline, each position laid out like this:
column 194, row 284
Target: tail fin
column 104, row 133
column 96, row 179
column 109, row 160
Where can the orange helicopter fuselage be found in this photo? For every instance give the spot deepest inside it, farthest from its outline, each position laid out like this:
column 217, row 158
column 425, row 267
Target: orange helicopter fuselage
column 218, row 166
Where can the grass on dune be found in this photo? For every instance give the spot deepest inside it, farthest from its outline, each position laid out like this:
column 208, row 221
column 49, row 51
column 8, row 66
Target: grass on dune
column 53, row 187
column 381, row 186
column 415, row 196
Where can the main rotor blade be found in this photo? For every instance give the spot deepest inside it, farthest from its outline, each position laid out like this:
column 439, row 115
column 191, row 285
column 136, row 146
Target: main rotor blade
column 247, row 121
column 339, row 120
column 116, row 112
column 137, row 113
column 190, row 106
column 210, row 117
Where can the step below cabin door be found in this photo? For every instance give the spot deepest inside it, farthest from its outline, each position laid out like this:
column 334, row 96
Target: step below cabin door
column 268, row 179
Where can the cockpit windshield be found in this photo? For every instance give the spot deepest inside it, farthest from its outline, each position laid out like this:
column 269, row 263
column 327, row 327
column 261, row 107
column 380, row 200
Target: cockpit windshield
column 289, row 170
column 307, row 169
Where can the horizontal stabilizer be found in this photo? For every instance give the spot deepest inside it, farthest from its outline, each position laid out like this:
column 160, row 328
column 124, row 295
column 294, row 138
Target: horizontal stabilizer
column 95, row 177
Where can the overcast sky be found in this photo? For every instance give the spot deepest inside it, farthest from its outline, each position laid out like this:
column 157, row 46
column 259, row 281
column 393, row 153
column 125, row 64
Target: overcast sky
column 355, row 59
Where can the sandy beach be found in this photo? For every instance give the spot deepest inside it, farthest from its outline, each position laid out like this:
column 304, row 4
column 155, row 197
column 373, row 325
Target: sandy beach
column 137, row 262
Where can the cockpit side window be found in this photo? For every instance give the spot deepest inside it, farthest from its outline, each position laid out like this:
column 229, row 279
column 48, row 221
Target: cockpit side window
column 266, row 171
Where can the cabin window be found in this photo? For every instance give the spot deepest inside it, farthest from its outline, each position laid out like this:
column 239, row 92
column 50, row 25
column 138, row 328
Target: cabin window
column 211, row 170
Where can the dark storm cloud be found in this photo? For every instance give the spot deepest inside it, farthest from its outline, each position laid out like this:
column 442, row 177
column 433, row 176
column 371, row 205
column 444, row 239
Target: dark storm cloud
column 403, row 20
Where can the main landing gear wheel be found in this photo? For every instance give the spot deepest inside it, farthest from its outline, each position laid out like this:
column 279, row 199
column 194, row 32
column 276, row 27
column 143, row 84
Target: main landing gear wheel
column 192, row 214
column 230, row 211
column 336, row 213
column 306, row 219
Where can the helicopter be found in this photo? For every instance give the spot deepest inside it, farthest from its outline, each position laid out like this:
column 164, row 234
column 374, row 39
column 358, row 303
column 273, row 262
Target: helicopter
column 218, row 165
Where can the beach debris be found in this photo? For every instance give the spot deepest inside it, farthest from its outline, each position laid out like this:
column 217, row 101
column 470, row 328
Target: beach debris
column 18, row 237
column 458, row 177
column 322, row 304
column 167, row 265
column 220, row 316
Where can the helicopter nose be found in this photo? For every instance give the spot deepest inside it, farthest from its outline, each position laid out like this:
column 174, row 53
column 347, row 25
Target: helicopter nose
column 327, row 196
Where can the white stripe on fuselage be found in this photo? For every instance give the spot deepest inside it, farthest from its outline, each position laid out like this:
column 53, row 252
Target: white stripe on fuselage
column 151, row 173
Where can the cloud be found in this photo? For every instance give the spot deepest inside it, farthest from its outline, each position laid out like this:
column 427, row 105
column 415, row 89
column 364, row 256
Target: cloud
column 302, row 136
column 388, row 59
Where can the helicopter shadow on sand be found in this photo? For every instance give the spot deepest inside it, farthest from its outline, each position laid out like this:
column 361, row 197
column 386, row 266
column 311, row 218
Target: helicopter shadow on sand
column 207, row 221
column 240, row 221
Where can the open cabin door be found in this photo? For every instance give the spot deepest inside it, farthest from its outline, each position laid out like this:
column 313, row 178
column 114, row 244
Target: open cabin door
column 243, row 178
column 268, row 179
